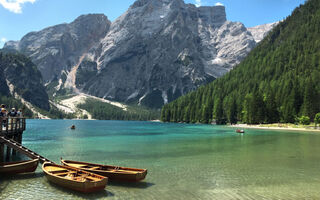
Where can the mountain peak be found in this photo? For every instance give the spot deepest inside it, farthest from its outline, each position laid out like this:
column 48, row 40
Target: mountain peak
column 213, row 14
column 150, row 9
column 141, row 3
column 90, row 17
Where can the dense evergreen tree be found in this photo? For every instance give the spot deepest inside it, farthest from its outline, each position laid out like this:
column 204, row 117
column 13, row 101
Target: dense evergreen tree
column 317, row 119
column 310, row 99
column 277, row 82
column 272, row 113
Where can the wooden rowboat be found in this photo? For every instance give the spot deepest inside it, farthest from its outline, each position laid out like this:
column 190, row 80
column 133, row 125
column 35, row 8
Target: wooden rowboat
column 114, row 173
column 19, row 167
column 74, row 178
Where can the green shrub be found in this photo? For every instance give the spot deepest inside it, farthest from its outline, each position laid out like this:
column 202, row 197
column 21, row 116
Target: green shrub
column 305, row 120
column 317, row 119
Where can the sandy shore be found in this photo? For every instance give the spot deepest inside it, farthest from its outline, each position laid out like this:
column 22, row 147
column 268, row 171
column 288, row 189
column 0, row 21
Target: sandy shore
column 156, row 120
column 273, row 127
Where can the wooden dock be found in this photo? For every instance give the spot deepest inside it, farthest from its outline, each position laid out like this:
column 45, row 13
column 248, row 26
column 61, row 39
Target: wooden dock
column 11, row 131
column 24, row 150
column 12, row 126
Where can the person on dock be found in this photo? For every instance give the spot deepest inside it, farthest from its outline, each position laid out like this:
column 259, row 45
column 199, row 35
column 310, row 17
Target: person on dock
column 3, row 116
column 19, row 113
column 12, row 120
column 13, row 112
column 3, row 113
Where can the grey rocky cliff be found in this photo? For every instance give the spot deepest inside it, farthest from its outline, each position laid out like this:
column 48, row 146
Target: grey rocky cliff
column 159, row 50
column 260, row 31
column 20, row 76
column 58, row 48
column 155, row 52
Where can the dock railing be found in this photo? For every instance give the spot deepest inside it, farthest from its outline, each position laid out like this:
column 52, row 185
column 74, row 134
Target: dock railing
column 12, row 125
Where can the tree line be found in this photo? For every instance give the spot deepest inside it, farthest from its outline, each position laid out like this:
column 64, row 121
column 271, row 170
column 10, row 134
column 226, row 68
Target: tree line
column 105, row 111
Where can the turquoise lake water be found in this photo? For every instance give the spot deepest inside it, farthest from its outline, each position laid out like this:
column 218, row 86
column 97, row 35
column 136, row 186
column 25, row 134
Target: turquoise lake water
column 183, row 161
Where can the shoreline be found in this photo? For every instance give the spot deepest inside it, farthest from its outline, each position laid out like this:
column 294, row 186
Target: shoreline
column 284, row 127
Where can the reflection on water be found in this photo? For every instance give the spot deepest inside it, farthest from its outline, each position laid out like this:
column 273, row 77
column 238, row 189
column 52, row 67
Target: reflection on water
column 183, row 161
column 8, row 177
column 96, row 195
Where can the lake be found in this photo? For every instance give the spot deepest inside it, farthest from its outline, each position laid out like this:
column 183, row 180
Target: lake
column 183, row 161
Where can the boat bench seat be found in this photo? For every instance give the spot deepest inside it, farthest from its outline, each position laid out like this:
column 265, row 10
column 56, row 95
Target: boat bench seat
column 62, row 174
column 93, row 178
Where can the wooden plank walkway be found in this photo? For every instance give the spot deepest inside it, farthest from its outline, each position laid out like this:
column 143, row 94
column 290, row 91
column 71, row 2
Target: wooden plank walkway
column 18, row 147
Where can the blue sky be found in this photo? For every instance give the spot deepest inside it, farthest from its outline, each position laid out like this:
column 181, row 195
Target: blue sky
column 18, row 17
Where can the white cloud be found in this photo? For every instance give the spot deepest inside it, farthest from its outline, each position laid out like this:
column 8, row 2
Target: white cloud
column 3, row 40
column 15, row 6
column 219, row 4
column 198, row 3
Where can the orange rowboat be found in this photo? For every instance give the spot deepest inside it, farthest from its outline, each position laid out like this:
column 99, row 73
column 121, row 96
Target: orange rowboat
column 114, row 173
column 19, row 167
column 73, row 178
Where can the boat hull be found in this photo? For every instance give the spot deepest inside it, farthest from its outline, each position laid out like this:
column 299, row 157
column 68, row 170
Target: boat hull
column 80, row 186
column 19, row 167
column 239, row 131
column 77, row 186
column 121, row 177
column 123, row 174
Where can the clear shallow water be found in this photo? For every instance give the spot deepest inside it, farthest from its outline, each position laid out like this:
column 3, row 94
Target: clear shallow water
column 183, row 161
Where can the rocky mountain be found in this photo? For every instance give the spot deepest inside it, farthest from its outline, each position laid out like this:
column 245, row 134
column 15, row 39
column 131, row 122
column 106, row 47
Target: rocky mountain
column 159, row 50
column 259, row 32
column 155, row 52
column 21, row 79
column 58, row 48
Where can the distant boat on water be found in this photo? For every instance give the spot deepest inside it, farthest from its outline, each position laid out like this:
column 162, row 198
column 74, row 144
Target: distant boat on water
column 73, row 127
column 239, row 131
